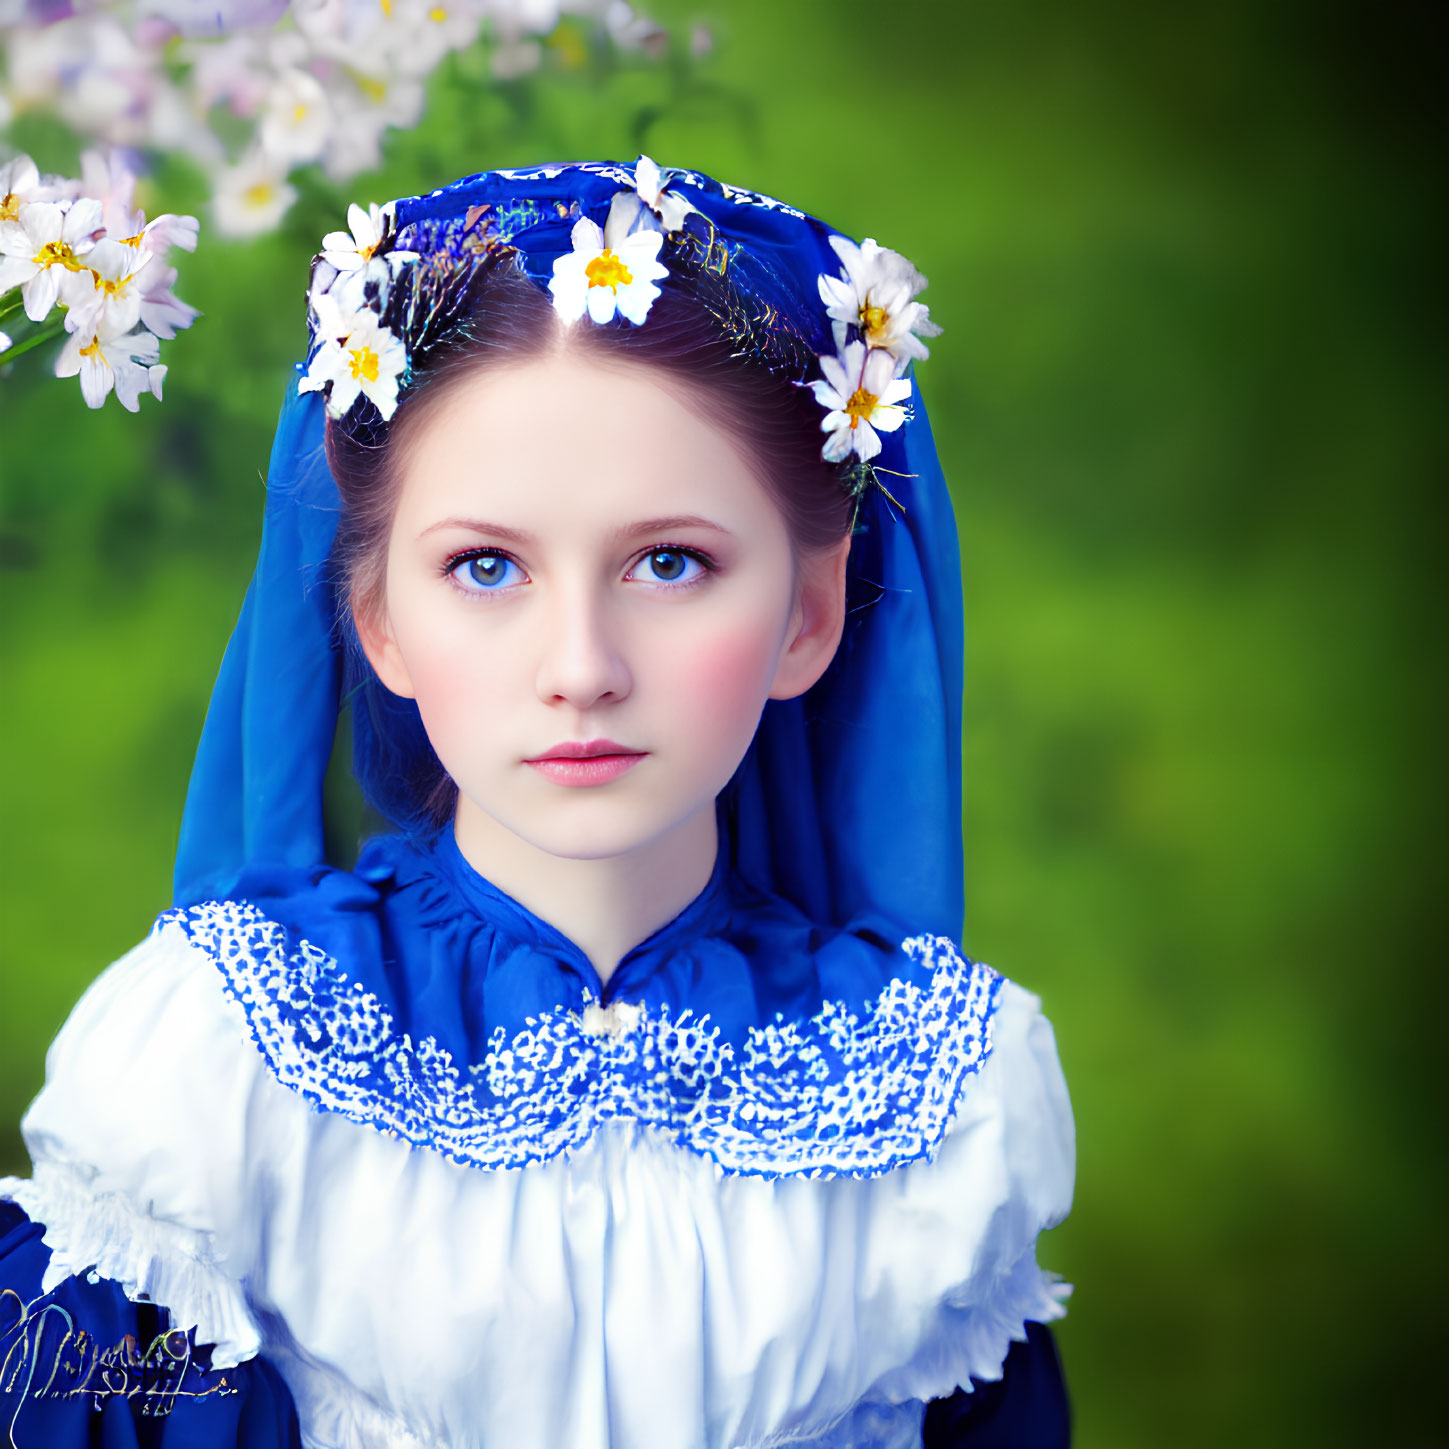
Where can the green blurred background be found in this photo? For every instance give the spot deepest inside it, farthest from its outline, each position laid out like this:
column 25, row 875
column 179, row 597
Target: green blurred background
column 1190, row 399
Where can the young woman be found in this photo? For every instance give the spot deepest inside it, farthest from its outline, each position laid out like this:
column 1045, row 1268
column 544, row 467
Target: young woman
column 628, row 1089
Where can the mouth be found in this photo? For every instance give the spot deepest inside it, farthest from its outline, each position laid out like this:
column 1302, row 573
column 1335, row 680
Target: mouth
column 591, row 762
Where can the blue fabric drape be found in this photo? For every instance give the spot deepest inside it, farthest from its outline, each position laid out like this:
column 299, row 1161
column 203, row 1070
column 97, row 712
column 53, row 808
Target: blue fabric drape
column 849, row 798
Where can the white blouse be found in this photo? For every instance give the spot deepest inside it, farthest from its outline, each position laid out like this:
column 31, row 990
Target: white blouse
column 626, row 1294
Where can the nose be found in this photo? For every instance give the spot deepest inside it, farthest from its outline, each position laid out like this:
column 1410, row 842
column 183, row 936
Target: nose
column 581, row 661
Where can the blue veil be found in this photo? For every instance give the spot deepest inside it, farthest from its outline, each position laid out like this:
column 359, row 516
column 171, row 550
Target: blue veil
column 849, row 799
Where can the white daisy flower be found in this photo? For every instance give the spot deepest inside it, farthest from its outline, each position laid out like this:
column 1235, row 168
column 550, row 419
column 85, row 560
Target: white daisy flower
column 251, row 197
column 357, row 355
column 118, row 273
column 21, row 181
column 606, row 273
column 651, row 206
column 355, row 258
column 875, row 295
column 863, row 396
column 41, row 251
column 126, row 364
column 297, row 118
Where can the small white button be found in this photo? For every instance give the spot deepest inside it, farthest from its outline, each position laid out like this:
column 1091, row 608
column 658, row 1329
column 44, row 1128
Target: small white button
column 612, row 1020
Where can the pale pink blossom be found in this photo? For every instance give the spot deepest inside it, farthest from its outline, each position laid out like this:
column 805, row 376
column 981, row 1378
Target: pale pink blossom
column 42, row 252
column 112, row 303
column 126, row 364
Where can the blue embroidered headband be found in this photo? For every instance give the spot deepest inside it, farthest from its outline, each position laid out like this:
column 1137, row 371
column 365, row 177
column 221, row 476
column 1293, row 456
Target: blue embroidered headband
column 381, row 295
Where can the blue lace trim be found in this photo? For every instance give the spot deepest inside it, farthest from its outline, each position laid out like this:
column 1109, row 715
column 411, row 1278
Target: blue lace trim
column 841, row 1093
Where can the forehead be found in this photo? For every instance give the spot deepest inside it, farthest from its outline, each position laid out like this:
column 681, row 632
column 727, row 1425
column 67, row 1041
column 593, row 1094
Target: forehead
column 565, row 441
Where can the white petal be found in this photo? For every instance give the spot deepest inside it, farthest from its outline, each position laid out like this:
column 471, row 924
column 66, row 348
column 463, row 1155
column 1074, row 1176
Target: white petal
column 825, row 395
column 837, row 445
column 626, row 212
column 635, row 300
column 570, row 290
column 601, row 303
column 157, row 375
column 646, row 179
column 96, row 380
column 345, row 389
column 642, row 249
column 867, row 444
column 84, row 219
column 846, row 250
column 42, row 221
column 130, row 383
column 40, row 294
column 673, row 210
column 14, row 271
column 587, row 236
column 69, row 361
column 880, row 368
column 839, row 298
column 360, row 224
column 843, row 372
column 887, row 419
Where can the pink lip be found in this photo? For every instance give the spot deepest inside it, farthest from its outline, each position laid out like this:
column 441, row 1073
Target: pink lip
column 571, row 750
column 594, row 762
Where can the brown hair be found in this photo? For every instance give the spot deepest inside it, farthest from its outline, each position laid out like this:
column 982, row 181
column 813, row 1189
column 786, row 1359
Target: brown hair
column 774, row 422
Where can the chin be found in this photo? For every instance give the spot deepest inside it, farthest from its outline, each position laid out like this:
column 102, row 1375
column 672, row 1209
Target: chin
column 595, row 829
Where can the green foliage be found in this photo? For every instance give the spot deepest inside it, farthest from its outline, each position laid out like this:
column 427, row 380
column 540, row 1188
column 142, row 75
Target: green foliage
column 1187, row 397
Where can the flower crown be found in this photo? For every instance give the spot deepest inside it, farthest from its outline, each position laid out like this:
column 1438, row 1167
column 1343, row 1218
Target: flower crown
column 376, row 306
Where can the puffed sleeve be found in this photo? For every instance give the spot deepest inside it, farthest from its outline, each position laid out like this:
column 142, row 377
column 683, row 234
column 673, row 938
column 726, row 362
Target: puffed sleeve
column 140, row 1146
column 83, row 1367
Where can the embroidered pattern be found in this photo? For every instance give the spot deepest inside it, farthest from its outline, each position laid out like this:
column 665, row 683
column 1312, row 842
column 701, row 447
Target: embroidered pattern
column 842, row 1093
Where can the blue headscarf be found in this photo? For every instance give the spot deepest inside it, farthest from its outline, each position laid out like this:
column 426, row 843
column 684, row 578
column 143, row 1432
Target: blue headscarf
column 849, row 799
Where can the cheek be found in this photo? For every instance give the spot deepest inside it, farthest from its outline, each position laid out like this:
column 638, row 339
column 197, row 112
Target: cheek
column 457, row 676
column 726, row 677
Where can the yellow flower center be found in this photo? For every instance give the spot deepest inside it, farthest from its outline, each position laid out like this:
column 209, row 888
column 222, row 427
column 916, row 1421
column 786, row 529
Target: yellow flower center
column 438, row 13
column 861, row 406
column 872, row 320
column 134, row 241
column 10, row 207
column 260, row 194
column 387, row 8
column 57, row 252
column 299, row 114
column 608, row 271
column 107, row 286
column 364, row 363
column 94, row 350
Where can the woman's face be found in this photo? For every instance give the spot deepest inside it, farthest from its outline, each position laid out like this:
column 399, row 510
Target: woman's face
column 580, row 559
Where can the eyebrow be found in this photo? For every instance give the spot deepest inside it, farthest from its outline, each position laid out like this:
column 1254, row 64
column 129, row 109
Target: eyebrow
column 633, row 530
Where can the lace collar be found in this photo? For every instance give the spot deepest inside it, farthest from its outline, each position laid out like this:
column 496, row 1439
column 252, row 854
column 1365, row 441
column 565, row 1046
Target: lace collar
column 414, row 996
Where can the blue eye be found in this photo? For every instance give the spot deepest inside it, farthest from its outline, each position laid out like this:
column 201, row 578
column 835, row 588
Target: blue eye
column 671, row 566
column 481, row 573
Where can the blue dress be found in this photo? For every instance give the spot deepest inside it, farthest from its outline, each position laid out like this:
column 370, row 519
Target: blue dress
column 407, row 1035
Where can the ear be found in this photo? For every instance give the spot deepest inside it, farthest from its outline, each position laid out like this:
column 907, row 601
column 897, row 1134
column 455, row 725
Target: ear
column 817, row 622
column 374, row 633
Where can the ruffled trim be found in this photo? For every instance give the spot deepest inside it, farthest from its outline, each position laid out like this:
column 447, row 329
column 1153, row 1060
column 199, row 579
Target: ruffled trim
column 971, row 1341
column 153, row 1261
